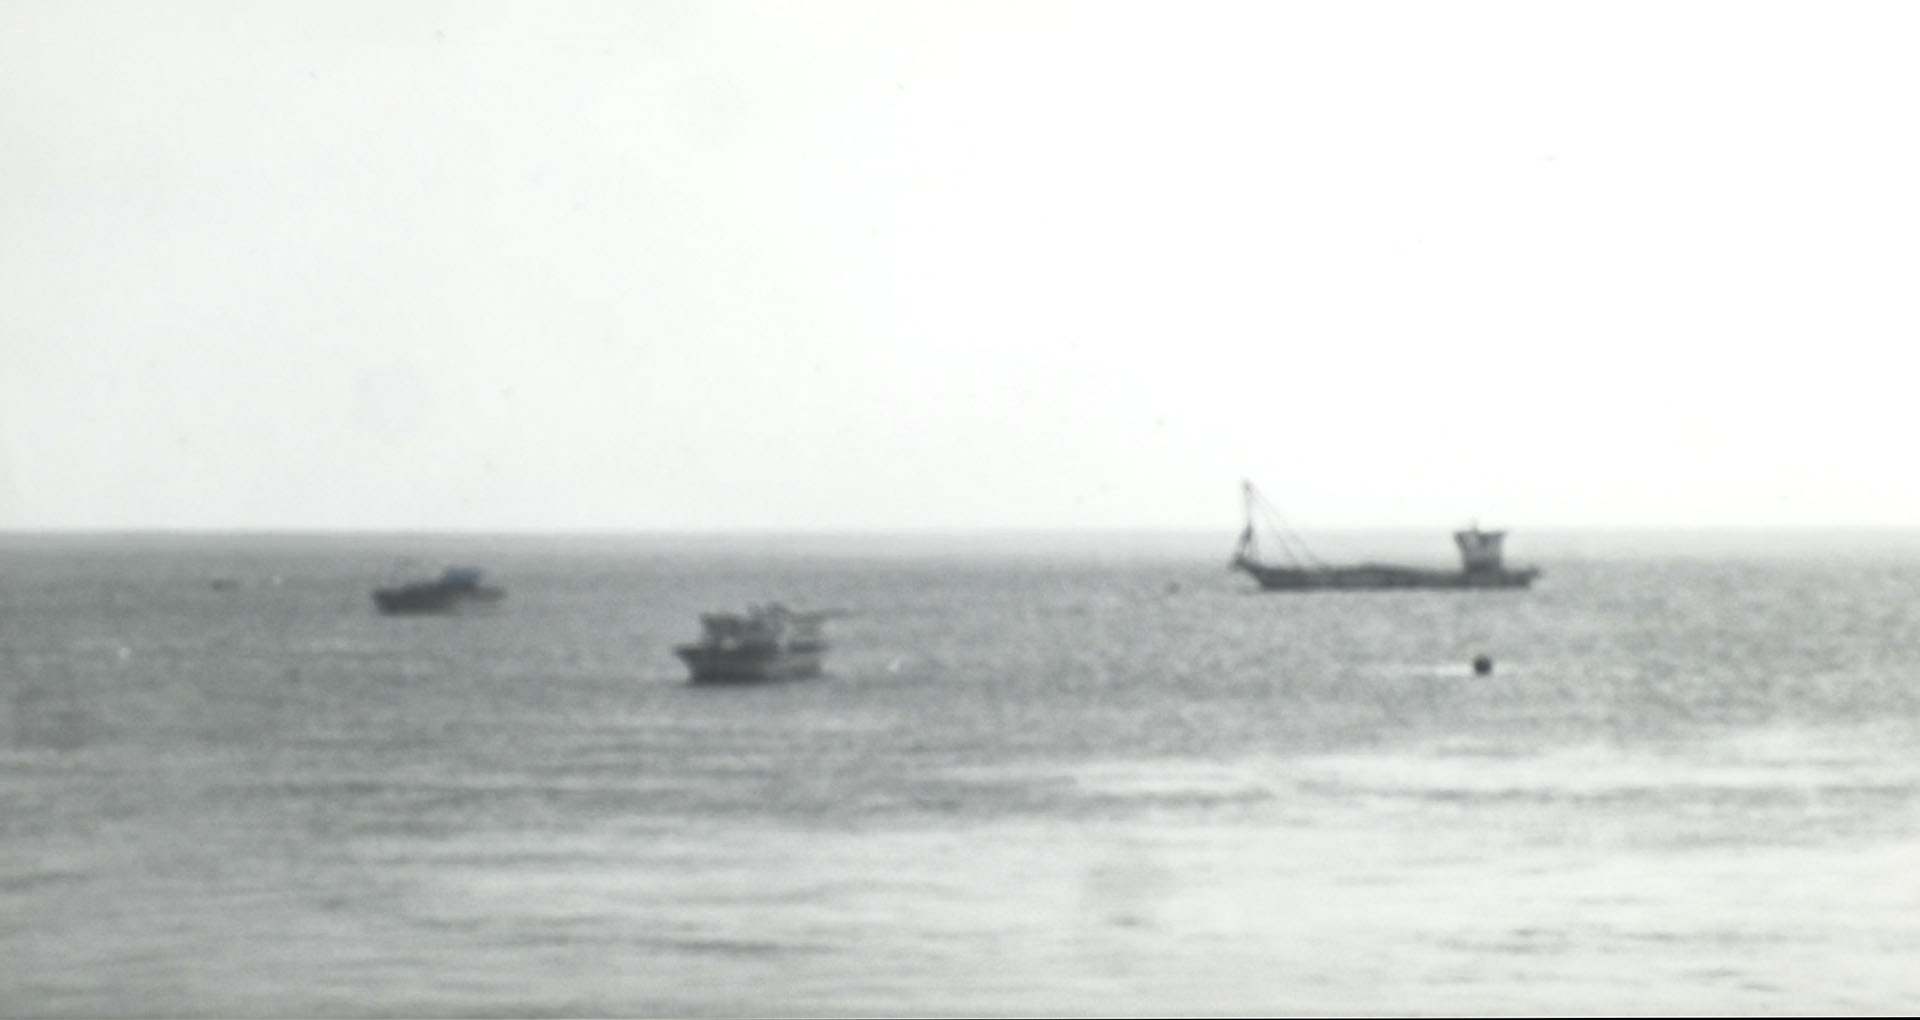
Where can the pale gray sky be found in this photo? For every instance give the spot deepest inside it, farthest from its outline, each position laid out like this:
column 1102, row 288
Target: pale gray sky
column 890, row 265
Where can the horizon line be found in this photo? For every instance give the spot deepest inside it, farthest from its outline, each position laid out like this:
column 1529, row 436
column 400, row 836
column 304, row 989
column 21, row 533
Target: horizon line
column 915, row 531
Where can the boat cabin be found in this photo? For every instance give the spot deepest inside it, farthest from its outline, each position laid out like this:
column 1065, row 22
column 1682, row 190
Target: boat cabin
column 1480, row 551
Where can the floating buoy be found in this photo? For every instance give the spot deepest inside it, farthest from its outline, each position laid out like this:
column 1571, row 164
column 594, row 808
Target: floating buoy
column 1482, row 665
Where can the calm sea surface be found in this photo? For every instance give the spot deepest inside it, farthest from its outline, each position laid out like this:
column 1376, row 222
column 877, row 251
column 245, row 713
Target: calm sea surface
column 1084, row 782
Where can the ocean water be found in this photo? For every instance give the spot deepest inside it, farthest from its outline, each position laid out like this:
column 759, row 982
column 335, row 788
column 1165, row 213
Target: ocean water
column 1086, row 780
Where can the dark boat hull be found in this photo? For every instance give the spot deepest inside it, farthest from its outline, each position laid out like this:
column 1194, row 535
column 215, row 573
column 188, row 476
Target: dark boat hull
column 751, row 665
column 430, row 598
column 1375, row 577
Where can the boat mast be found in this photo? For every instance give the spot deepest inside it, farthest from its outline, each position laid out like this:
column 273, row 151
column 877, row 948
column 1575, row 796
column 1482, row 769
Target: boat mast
column 1246, row 550
column 1290, row 544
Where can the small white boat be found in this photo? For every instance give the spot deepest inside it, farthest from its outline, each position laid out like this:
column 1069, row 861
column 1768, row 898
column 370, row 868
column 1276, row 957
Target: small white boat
column 769, row 642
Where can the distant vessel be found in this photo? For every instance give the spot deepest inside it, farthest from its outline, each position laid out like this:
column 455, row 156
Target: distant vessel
column 1480, row 556
column 456, row 588
column 769, row 642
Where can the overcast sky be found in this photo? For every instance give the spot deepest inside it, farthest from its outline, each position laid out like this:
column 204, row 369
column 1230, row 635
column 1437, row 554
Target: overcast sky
column 843, row 266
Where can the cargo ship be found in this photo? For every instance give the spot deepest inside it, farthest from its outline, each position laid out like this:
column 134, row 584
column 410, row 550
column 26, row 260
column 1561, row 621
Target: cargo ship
column 1481, row 561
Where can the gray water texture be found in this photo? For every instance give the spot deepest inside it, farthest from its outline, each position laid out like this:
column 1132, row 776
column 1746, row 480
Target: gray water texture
column 1033, row 782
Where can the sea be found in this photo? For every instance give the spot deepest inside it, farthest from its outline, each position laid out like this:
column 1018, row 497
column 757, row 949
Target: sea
column 1042, row 776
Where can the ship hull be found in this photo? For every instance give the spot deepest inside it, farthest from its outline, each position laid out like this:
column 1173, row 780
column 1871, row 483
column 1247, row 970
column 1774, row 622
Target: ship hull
column 751, row 665
column 428, row 598
column 1376, row 577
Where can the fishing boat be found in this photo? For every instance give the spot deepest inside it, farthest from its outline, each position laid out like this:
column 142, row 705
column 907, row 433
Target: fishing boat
column 455, row 589
column 769, row 642
column 1481, row 558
